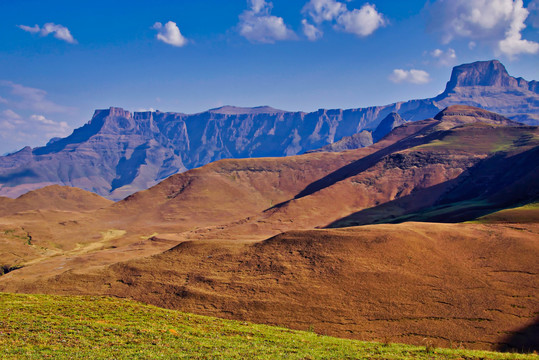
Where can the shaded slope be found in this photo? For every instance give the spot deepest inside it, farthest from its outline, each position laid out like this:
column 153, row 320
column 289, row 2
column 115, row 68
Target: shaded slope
column 505, row 178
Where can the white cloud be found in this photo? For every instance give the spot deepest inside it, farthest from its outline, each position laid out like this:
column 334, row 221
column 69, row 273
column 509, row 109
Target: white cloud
column 36, row 127
column 9, row 119
column 58, row 31
column 17, row 130
column 412, row 76
column 361, row 22
column 514, row 44
column 3, row 101
column 170, row 34
column 10, row 114
column 324, row 10
column 259, row 5
column 258, row 25
column 312, row 32
column 32, row 98
column 31, row 29
column 498, row 22
column 444, row 58
column 49, row 127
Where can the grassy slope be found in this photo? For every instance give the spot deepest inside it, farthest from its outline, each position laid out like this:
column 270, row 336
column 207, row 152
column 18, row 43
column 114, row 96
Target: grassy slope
column 522, row 214
column 41, row 326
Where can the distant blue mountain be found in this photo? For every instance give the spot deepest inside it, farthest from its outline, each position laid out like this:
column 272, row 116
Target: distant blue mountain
column 118, row 152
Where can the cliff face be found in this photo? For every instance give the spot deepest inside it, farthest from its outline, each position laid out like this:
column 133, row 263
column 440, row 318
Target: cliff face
column 487, row 84
column 118, row 152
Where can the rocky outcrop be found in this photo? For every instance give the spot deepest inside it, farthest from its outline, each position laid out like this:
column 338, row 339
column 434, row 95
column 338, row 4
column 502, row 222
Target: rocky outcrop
column 391, row 121
column 356, row 141
column 118, row 152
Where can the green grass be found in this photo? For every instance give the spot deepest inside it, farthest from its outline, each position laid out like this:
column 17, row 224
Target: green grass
column 488, row 218
column 74, row 327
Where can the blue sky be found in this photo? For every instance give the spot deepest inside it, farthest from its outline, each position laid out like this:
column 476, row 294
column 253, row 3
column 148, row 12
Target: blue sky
column 60, row 60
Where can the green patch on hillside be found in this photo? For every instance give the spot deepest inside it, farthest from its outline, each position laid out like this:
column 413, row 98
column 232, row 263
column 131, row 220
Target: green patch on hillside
column 522, row 214
column 74, row 327
column 484, row 139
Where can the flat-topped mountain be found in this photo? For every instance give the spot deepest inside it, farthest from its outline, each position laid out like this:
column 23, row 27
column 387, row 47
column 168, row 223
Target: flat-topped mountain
column 487, row 84
column 118, row 152
column 488, row 74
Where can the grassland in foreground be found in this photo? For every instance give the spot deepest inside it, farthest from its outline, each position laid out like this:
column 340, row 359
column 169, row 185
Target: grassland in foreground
column 75, row 327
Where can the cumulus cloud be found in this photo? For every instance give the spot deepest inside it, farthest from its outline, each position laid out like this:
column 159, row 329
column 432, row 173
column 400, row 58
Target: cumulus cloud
column 25, row 97
column 361, row 22
column 58, row 31
column 311, row 32
column 444, row 58
column 258, row 25
column 514, row 44
column 499, row 22
column 413, row 76
column 170, row 34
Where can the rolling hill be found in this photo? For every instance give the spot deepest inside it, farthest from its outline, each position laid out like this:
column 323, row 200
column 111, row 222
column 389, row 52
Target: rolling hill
column 245, row 239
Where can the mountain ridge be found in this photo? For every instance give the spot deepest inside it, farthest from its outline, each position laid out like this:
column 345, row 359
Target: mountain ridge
column 119, row 152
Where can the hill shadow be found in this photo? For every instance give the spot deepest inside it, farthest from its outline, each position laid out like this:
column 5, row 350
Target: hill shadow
column 497, row 182
column 525, row 340
column 368, row 161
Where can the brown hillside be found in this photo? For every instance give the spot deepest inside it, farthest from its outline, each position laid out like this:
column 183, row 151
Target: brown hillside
column 461, row 114
column 196, row 240
column 54, row 197
column 467, row 285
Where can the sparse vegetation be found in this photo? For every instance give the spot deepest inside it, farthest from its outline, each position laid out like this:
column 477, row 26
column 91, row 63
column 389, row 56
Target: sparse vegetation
column 4, row 269
column 75, row 327
column 19, row 234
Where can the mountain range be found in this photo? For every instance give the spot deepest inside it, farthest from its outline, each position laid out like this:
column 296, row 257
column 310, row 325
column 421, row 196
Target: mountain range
column 118, row 153
column 275, row 240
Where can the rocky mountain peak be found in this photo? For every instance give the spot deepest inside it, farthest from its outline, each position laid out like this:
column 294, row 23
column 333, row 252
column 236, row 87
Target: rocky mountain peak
column 481, row 73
